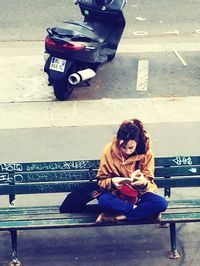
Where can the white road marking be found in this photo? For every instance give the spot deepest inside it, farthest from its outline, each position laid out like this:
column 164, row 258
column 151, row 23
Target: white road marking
column 140, row 18
column 176, row 32
column 142, row 75
column 140, row 33
column 179, row 57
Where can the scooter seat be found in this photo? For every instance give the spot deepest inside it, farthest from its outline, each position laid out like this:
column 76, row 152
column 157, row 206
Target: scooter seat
column 77, row 32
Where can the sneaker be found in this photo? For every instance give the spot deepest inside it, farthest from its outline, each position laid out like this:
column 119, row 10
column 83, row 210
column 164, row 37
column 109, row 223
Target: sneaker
column 159, row 217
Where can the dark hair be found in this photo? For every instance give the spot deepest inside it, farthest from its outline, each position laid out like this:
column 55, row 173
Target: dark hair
column 132, row 130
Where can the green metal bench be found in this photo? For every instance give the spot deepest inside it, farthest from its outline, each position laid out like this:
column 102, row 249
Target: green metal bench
column 66, row 176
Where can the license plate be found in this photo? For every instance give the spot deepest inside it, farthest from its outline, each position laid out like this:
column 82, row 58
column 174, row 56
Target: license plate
column 57, row 64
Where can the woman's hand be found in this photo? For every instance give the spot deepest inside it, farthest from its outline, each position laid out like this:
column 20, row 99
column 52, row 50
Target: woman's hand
column 138, row 179
column 116, row 181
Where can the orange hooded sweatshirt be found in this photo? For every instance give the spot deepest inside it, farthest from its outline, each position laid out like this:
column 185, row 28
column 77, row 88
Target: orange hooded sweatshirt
column 113, row 165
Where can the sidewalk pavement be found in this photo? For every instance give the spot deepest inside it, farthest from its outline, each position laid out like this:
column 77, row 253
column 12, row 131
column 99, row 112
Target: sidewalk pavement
column 98, row 112
column 119, row 246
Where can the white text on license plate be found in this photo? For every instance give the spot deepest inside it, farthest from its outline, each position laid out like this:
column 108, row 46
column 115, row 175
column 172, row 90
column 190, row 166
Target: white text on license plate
column 57, row 64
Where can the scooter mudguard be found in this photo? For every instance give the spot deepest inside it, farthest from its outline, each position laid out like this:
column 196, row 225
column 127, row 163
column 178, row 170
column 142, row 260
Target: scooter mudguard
column 54, row 74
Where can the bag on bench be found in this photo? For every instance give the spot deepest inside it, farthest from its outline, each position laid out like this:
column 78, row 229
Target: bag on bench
column 76, row 200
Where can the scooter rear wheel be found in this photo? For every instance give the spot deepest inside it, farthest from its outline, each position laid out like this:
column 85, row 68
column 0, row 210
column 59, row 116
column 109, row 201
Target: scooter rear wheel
column 62, row 89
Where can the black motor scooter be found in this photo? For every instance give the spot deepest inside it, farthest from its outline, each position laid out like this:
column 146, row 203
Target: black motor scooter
column 75, row 51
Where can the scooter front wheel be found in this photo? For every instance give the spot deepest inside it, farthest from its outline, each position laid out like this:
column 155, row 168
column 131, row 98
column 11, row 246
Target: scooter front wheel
column 62, row 89
column 111, row 57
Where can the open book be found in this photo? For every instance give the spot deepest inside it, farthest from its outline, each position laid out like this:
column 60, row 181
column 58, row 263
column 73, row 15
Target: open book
column 123, row 180
column 128, row 180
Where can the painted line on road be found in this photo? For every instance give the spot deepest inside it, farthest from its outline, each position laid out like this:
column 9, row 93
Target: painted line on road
column 140, row 33
column 179, row 57
column 175, row 32
column 142, row 75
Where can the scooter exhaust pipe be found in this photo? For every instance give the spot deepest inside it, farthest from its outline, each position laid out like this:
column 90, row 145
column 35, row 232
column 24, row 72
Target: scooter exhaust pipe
column 81, row 75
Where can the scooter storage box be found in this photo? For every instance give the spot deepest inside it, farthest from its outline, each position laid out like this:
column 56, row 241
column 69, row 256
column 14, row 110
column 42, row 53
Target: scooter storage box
column 93, row 9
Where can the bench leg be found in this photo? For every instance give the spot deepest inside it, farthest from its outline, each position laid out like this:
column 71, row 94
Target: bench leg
column 173, row 253
column 14, row 261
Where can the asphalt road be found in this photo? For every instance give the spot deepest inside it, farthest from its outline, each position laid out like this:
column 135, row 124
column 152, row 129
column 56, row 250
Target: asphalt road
column 27, row 19
column 163, row 21
column 23, row 78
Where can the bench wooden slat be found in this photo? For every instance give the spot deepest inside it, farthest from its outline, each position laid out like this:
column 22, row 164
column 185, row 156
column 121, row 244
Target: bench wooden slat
column 181, row 204
column 73, row 176
column 90, row 208
column 180, row 217
column 48, row 212
column 54, row 216
column 47, row 216
column 184, row 203
column 183, row 210
column 90, row 175
column 177, row 171
column 52, row 176
column 57, row 223
column 48, row 166
column 24, row 177
column 175, row 182
column 67, row 186
column 85, row 221
column 177, row 160
column 76, row 220
column 47, row 187
column 88, row 164
column 28, row 211
column 26, row 208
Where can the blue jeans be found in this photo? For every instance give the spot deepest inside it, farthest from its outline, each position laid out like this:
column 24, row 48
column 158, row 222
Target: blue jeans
column 148, row 205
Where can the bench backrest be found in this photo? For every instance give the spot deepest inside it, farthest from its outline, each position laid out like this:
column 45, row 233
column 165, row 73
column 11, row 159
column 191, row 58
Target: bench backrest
column 65, row 176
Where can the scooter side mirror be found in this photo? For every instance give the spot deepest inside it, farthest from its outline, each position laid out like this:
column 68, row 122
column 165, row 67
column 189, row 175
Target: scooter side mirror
column 76, row 2
column 49, row 31
column 108, row 3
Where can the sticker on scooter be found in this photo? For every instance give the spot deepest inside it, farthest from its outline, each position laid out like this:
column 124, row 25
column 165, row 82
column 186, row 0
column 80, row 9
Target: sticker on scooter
column 57, row 64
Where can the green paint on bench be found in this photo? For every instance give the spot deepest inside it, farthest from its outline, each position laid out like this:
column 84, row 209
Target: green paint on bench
column 67, row 176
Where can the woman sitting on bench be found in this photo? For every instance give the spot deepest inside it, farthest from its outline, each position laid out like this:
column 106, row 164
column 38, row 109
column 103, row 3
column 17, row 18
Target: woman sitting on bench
column 126, row 176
